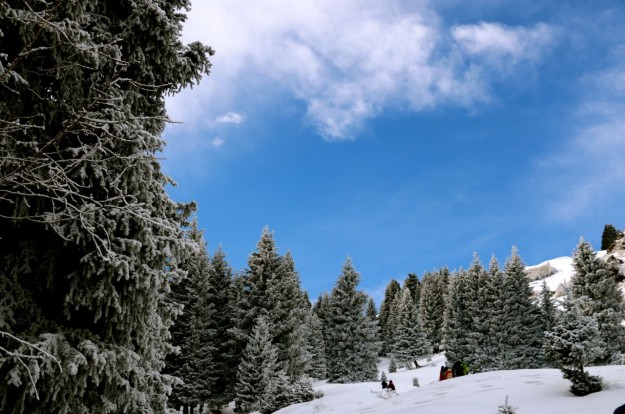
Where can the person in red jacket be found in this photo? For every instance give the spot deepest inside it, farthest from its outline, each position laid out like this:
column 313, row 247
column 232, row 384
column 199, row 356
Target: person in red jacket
column 391, row 386
column 443, row 375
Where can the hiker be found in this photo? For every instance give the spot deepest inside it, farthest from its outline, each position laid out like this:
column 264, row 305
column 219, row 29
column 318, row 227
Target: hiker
column 457, row 369
column 620, row 410
column 443, row 375
column 391, row 386
column 384, row 384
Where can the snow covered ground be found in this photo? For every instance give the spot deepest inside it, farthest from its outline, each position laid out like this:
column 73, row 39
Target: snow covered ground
column 530, row 391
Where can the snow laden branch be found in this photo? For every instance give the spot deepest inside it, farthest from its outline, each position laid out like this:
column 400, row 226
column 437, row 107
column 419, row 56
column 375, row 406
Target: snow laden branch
column 20, row 356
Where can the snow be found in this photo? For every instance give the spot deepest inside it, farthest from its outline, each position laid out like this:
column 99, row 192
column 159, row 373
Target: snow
column 530, row 391
column 564, row 271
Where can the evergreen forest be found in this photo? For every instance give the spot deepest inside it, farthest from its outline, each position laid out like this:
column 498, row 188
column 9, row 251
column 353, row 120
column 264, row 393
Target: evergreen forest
column 110, row 301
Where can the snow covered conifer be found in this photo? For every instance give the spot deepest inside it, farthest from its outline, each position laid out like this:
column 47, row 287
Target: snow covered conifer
column 385, row 312
column 458, row 321
column 599, row 297
column 392, row 366
column 432, row 302
column 547, row 307
column 412, row 283
column 486, row 335
column 371, row 312
column 463, row 316
column 409, row 342
column 574, row 342
column 259, row 367
column 218, row 297
column 317, row 348
column 520, row 329
column 288, row 307
column 351, row 345
column 89, row 239
column 193, row 332
column 250, row 290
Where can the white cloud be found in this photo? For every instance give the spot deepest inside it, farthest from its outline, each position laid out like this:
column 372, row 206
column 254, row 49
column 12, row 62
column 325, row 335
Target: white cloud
column 345, row 61
column 230, row 118
column 217, row 142
column 498, row 40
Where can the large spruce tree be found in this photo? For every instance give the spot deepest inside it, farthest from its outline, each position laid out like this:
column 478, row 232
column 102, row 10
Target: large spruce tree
column 409, row 342
column 259, row 367
column 434, row 287
column 458, row 322
column 193, row 332
column 89, row 240
column 573, row 342
column 520, row 329
column 218, row 300
column 599, row 296
column 386, row 308
column 351, row 345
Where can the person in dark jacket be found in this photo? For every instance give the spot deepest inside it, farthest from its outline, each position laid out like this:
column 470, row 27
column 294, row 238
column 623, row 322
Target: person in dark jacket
column 620, row 410
column 384, row 384
column 457, row 370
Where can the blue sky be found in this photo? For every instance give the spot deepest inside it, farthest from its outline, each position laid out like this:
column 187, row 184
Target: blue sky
column 407, row 135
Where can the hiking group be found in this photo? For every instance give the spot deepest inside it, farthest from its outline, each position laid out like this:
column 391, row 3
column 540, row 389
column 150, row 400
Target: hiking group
column 389, row 386
column 458, row 369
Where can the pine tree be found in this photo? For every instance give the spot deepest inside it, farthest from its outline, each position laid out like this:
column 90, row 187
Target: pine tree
column 321, row 310
column 177, row 364
column 574, row 342
column 434, row 287
column 318, row 368
column 350, row 336
column 89, row 239
column 475, row 314
column 599, row 297
column 219, row 297
column 193, row 332
column 259, row 367
column 287, row 306
column 412, row 283
column 410, row 342
column 250, row 298
column 392, row 322
column 458, row 321
column 547, row 307
column 487, row 317
column 385, row 310
column 392, row 366
column 371, row 312
column 521, row 328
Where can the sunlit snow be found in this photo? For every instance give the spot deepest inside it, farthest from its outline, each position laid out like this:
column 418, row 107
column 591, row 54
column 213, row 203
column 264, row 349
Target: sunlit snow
column 530, row 391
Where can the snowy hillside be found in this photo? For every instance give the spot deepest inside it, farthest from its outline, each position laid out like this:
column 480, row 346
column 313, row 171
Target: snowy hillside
column 563, row 267
column 531, row 391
